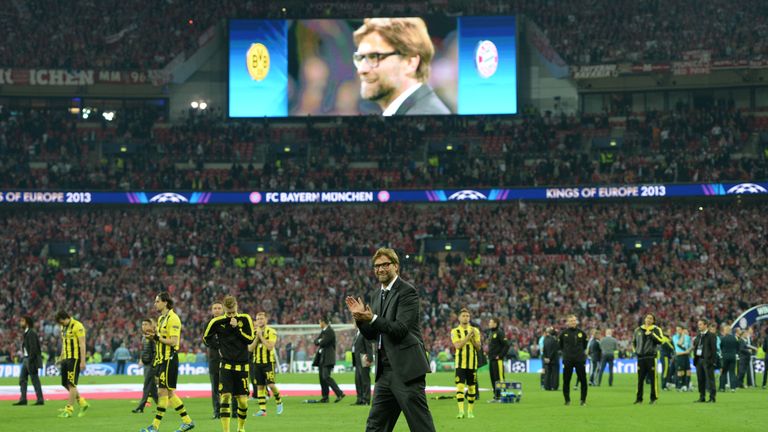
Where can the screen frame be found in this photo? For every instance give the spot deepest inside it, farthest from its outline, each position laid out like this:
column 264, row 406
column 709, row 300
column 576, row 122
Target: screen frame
column 518, row 70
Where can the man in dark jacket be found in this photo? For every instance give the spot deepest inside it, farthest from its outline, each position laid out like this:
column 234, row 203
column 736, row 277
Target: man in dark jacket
column 729, row 347
column 393, row 322
column 33, row 361
column 146, row 360
column 765, row 350
column 325, row 360
column 593, row 350
column 551, row 355
column 746, row 351
column 214, row 359
column 645, row 341
column 362, row 358
column 573, row 344
column 497, row 350
column 705, row 357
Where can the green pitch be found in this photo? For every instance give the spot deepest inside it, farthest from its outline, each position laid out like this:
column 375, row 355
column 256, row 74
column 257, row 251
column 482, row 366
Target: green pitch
column 608, row 409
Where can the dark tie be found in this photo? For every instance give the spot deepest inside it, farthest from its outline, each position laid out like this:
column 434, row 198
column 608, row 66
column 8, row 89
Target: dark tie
column 381, row 311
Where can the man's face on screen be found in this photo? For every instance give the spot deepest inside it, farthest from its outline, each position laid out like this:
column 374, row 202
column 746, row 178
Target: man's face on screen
column 378, row 83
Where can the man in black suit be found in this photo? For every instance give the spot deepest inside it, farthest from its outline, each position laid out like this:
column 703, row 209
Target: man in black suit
column 362, row 358
column 551, row 356
column 593, row 350
column 33, row 360
column 393, row 60
column 214, row 359
column 729, row 347
column 146, row 360
column 705, row 357
column 392, row 321
column 325, row 359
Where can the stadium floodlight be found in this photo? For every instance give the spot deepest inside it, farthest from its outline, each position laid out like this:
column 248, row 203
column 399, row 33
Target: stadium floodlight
column 194, row 104
column 108, row 115
column 203, row 105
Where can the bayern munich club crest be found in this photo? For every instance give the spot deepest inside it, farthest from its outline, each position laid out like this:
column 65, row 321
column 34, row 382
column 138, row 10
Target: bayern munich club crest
column 486, row 58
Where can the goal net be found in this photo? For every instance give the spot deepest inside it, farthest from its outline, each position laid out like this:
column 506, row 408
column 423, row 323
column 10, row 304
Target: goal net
column 296, row 347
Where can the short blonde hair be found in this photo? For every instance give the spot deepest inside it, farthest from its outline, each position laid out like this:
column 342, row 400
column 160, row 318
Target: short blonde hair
column 408, row 36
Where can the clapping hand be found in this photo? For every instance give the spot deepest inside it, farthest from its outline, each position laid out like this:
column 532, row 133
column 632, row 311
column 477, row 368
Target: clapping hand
column 233, row 322
column 360, row 311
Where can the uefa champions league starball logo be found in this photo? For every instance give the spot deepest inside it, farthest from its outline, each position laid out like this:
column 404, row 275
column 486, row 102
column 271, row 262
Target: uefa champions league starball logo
column 486, row 58
column 168, row 197
column 747, row 188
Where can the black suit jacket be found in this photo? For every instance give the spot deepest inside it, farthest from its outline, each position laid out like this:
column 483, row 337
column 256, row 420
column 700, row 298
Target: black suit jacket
column 729, row 347
column 362, row 346
column 423, row 101
column 399, row 324
column 708, row 344
column 551, row 349
column 327, row 343
column 31, row 344
column 594, row 349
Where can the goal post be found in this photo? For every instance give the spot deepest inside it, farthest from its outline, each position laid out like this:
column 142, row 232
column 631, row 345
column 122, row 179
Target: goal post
column 295, row 347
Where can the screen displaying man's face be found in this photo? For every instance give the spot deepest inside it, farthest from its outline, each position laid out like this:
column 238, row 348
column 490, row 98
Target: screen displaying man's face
column 315, row 67
column 377, row 83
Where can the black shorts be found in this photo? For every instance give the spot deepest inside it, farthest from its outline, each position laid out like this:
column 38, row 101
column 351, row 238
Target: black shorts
column 70, row 372
column 466, row 376
column 234, row 382
column 682, row 363
column 167, row 373
column 264, row 374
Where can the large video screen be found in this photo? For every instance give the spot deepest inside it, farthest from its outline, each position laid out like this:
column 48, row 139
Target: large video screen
column 386, row 66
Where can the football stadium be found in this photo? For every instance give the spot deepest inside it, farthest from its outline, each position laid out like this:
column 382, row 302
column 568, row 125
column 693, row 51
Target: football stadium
column 441, row 215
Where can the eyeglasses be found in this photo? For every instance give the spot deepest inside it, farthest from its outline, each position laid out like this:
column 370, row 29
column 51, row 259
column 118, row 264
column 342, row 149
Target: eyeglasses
column 382, row 266
column 373, row 59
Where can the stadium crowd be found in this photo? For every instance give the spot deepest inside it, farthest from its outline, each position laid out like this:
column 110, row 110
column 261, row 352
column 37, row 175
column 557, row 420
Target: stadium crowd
column 137, row 36
column 546, row 261
column 682, row 145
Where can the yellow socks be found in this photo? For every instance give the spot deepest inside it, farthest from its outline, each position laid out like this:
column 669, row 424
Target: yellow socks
column 162, row 404
column 225, row 411
column 178, row 405
column 471, row 398
column 242, row 411
column 460, row 397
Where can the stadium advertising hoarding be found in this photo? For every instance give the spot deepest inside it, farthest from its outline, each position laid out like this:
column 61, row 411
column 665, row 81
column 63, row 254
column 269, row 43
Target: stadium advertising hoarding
column 574, row 193
column 696, row 62
column 283, row 68
column 78, row 78
column 620, row 366
column 13, row 370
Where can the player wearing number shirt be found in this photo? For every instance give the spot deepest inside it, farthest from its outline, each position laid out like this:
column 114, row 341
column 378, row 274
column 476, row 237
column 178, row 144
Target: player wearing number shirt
column 72, row 361
column 466, row 341
column 233, row 332
column 167, row 337
column 263, row 348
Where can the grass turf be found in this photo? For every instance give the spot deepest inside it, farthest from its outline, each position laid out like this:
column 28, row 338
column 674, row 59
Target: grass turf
column 608, row 409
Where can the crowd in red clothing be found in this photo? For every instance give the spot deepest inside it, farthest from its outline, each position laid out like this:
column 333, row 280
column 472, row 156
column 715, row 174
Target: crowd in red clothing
column 546, row 261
